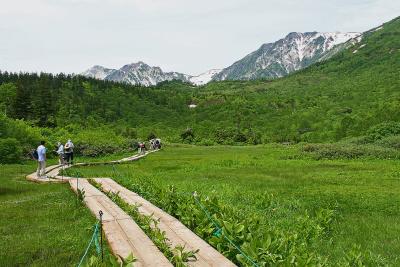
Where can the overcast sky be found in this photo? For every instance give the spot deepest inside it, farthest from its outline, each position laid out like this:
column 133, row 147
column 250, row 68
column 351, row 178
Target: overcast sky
column 189, row 36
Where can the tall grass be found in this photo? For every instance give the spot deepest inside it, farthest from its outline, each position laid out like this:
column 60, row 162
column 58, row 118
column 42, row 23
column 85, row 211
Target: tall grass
column 286, row 190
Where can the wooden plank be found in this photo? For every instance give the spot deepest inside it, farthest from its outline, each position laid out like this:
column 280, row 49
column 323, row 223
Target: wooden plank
column 123, row 234
column 177, row 233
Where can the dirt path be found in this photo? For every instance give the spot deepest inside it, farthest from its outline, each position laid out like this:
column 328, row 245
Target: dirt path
column 123, row 234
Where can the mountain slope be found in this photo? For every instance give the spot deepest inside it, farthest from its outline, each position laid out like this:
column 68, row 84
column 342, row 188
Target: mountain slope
column 272, row 60
column 204, row 77
column 341, row 97
column 294, row 52
column 136, row 74
column 97, row 72
column 143, row 74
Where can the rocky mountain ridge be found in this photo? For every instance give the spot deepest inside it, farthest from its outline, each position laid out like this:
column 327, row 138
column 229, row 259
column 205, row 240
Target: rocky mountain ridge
column 272, row 60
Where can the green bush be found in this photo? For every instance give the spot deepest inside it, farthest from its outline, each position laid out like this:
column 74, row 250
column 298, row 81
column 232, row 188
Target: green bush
column 10, row 150
column 390, row 141
column 383, row 130
column 151, row 135
column 225, row 136
column 349, row 151
column 98, row 142
column 187, row 135
column 28, row 137
column 205, row 142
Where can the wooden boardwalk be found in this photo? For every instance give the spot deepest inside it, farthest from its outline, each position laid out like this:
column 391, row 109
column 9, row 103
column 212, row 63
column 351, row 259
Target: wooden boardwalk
column 176, row 232
column 124, row 236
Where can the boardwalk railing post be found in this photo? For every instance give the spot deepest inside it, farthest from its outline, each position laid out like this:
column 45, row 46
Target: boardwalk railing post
column 101, row 235
column 77, row 190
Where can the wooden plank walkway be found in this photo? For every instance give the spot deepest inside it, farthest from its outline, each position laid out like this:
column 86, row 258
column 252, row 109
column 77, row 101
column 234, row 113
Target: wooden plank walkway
column 123, row 234
column 176, row 232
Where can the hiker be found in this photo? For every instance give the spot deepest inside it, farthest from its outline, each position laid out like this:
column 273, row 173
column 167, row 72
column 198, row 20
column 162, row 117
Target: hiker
column 41, row 152
column 157, row 144
column 60, row 152
column 69, row 152
column 152, row 144
column 142, row 148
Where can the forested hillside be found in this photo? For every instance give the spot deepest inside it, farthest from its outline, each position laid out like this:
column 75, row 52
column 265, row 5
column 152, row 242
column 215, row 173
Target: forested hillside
column 343, row 97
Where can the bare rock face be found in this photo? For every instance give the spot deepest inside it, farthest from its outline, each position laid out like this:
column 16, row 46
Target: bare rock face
column 294, row 52
column 136, row 73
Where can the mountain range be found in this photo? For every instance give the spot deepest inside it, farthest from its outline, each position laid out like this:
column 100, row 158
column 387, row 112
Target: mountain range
column 272, row 60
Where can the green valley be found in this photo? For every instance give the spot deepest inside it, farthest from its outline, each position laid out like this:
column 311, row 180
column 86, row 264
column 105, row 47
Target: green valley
column 330, row 210
column 301, row 170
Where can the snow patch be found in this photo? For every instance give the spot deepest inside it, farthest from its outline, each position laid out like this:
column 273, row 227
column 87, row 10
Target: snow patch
column 204, row 77
column 339, row 37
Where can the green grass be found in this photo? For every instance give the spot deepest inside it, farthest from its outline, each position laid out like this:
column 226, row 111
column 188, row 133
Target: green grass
column 40, row 224
column 364, row 193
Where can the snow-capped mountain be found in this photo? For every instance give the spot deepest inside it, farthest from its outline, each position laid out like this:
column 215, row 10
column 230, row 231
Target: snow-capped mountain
column 97, row 72
column 292, row 53
column 271, row 60
column 204, row 77
column 143, row 74
column 135, row 73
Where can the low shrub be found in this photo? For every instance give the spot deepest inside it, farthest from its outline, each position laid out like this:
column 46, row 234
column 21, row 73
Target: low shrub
column 390, row 142
column 28, row 137
column 383, row 130
column 349, row 151
column 264, row 244
column 205, row 142
column 10, row 150
column 97, row 142
column 187, row 135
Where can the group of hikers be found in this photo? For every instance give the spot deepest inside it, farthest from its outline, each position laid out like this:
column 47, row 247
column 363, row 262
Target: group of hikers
column 66, row 153
column 154, row 144
column 65, row 156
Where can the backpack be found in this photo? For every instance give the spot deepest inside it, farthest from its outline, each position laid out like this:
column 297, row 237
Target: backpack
column 34, row 154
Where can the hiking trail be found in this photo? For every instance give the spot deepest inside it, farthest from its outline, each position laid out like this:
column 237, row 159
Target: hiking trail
column 123, row 235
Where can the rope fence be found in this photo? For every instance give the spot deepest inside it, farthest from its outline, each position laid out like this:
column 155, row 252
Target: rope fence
column 95, row 240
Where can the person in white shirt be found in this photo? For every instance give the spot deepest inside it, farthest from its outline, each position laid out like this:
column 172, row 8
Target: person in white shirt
column 60, row 152
column 69, row 152
column 41, row 170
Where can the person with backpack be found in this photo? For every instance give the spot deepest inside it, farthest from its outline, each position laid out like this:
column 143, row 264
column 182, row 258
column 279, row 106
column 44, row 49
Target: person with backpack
column 158, row 144
column 41, row 159
column 142, row 148
column 69, row 152
column 60, row 152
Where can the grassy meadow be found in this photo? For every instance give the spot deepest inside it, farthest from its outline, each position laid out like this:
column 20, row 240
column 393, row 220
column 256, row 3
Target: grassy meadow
column 288, row 190
column 40, row 224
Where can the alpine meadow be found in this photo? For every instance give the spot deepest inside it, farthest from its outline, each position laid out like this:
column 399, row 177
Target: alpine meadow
column 253, row 165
